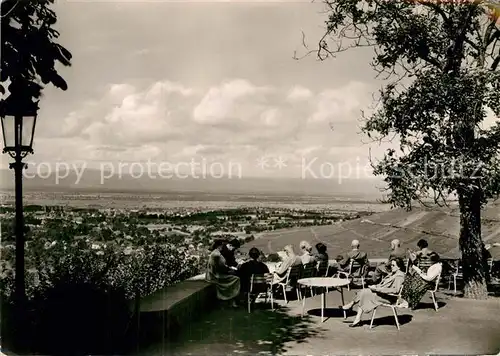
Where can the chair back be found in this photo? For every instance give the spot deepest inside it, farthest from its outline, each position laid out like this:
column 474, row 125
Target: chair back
column 309, row 270
column 356, row 267
column 424, row 264
column 294, row 274
column 458, row 269
column 322, row 269
column 489, row 261
column 397, row 296
column 260, row 283
column 286, row 278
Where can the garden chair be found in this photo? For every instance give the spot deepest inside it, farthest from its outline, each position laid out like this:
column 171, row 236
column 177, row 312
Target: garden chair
column 433, row 292
column 309, row 270
column 356, row 270
column 393, row 306
column 290, row 280
column 260, row 284
column 458, row 274
column 424, row 265
column 322, row 268
column 340, row 274
column 489, row 275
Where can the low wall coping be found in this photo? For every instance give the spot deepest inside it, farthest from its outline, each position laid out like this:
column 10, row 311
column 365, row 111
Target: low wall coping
column 167, row 297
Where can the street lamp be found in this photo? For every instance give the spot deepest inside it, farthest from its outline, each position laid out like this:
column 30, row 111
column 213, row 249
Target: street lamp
column 18, row 115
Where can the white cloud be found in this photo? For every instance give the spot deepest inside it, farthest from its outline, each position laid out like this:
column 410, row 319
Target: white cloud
column 227, row 101
column 306, row 151
column 120, row 91
column 342, row 104
column 235, row 121
column 299, row 93
column 271, row 117
column 128, row 116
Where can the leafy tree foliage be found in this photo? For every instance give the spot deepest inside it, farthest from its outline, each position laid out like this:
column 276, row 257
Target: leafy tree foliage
column 29, row 51
column 79, row 290
column 441, row 64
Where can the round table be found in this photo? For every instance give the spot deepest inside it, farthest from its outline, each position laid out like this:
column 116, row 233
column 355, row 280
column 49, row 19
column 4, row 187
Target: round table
column 324, row 282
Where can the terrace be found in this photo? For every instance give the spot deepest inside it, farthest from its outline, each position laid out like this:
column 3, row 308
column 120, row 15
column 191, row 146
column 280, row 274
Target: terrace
column 459, row 327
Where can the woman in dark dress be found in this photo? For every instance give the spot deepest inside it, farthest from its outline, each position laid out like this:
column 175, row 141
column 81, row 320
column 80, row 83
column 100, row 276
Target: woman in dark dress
column 417, row 282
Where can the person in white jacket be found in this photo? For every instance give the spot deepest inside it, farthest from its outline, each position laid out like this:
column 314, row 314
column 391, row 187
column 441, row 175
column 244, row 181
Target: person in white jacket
column 307, row 254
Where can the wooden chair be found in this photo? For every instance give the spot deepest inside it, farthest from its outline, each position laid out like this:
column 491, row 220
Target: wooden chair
column 260, row 284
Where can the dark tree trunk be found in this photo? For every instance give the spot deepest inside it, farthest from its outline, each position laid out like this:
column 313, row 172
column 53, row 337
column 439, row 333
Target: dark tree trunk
column 471, row 244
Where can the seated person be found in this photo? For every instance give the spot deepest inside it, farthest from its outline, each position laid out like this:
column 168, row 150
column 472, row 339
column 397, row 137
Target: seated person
column 229, row 251
column 383, row 269
column 227, row 285
column 282, row 255
column 247, row 269
column 369, row 299
column 354, row 255
column 421, row 257
column 321, row 254
column 307, row 254
column 417, row 282
column 290, row 260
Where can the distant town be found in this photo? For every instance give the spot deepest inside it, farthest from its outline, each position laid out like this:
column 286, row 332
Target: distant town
column 195, row 227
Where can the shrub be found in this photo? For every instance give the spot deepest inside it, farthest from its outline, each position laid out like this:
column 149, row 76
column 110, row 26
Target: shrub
column 80, row 293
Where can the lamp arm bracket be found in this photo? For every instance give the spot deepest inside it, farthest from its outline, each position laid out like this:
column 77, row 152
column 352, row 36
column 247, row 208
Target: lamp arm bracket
column 15, row 165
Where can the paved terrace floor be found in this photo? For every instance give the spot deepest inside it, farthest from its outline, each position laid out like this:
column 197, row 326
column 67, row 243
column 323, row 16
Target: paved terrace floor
column 459, row 327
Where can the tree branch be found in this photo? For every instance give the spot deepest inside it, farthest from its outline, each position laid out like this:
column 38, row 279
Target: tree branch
column 495, row 63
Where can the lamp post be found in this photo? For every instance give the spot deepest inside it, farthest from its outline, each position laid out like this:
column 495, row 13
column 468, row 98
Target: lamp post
column 18, row 115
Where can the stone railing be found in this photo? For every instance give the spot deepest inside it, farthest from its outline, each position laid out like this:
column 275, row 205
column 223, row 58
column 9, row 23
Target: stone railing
column 160, row 315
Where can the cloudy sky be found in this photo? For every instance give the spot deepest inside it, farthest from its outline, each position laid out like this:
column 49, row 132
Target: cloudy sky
column 175, row 82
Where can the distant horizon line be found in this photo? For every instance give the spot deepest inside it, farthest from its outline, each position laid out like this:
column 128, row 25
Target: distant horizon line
column 115, row 174
column 56, row 189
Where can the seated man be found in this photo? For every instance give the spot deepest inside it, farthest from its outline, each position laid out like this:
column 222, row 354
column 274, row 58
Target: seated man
column 247, row 269
column 383, row 268
column 354, row 255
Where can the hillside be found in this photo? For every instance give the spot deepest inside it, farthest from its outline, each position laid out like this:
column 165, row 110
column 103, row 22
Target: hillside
column 439, row 227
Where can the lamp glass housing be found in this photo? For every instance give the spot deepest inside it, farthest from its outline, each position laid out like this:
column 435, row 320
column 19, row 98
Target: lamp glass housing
column 9, row 131
column 18, row 132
